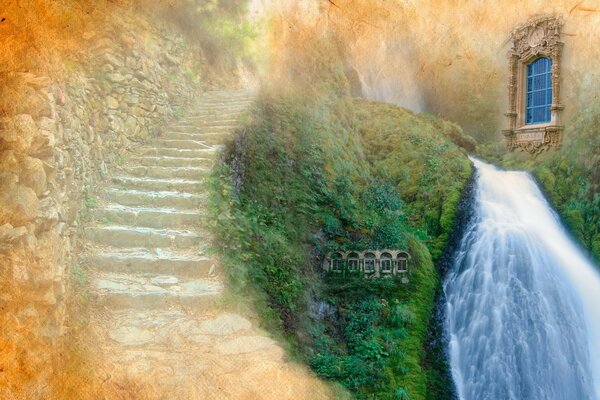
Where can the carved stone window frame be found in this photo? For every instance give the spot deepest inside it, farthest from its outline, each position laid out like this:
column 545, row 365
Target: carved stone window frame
column 539, row 37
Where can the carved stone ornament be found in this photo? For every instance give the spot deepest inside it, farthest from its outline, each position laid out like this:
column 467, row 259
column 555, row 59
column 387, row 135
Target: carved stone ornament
column 539, row 37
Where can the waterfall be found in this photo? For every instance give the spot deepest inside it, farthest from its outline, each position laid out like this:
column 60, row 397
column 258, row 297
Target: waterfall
column 523, row 301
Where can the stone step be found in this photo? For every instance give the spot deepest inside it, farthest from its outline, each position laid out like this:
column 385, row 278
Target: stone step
column 209, row 115
column 155, row 261
column 152, row 328
column 150, row 217
column 194, row 173
column 218, row 110
column 210, row 152
column 215, row 138
column 167, row 161
column 224, row 104
column 199, row 129
column 224, row 99
column 206, row 137
column 230, row 92
column 135, row 236
column 158, row 184
column 132, row 197
column 149, row 291
column 180, row 144
column 207, row 123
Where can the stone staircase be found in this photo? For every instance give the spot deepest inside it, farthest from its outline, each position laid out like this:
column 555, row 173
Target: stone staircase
column 159, row 317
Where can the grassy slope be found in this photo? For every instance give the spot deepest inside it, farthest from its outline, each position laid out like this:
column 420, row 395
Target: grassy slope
column 312, row 174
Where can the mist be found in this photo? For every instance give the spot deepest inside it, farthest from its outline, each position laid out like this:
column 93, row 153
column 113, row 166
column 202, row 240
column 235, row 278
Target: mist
column 444, row 57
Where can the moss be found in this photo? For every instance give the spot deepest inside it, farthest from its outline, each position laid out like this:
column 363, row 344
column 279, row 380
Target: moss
column 417, row 156
column 570, row 176
column 309, row 174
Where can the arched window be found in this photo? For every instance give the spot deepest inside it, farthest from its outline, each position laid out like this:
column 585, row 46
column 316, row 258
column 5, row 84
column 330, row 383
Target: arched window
column 386, row 263
column 370, row 260
column 337, row 262
column 539, row 91
column 353, row 262
column 402, row 263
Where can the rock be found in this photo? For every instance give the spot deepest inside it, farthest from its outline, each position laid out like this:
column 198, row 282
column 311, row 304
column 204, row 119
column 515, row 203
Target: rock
column 48, row 124
column 131, row 335
column 114, row 60
column 116, row 77
column 8, row 178
column 43, row 144
column 9, row 162
column 164, row 280
column 48, row 214
column 131, row 125
column 33, row 175
column 8, row 234
column 30, row 101
column 225, row 324
column 33, row 80
column 18, row 204
column 17, row 133
column 172, row 59
column 112, row 103
column 132, row 100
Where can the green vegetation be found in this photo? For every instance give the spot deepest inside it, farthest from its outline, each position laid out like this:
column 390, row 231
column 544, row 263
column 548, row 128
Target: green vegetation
column 316, row 173
column 571, row 175
column 217, row 26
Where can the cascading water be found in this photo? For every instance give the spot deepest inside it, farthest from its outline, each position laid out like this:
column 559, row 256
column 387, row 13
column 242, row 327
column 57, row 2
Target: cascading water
column 523, row 302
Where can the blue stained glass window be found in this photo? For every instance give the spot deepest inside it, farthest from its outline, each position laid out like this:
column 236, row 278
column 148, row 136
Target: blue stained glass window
column 539, row 91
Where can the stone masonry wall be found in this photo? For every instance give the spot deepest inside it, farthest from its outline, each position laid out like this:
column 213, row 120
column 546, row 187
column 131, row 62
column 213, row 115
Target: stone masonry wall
column 129, row 81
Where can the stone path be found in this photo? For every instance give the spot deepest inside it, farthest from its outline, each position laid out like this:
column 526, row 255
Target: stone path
column 159, row 317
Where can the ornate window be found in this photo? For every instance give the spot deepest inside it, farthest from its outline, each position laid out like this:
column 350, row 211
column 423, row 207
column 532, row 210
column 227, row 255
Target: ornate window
column 534, row 107
column 539, row 91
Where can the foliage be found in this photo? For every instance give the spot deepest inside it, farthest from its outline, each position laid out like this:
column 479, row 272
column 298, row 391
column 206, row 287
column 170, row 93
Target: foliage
column 217, row 26
column 306, row 176
column 571, row 176
column 414, row 152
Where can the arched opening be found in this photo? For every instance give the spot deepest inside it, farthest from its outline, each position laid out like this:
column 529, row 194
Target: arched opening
column 539, row 91
column 387, row 263
column 402, row 261
column 370, row 262
column 337, row 262
column 353, row 262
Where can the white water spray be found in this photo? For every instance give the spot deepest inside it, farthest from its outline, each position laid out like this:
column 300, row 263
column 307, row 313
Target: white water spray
column 523, row 302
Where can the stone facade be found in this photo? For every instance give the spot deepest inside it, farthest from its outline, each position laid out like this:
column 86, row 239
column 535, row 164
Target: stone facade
column 369, row 263
column 539, row 37
column 55, row 150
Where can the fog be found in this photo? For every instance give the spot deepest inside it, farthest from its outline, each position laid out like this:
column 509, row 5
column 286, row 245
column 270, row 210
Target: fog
column 445, row 57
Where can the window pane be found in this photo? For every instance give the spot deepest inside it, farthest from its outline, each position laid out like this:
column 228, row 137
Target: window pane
column 539, row 91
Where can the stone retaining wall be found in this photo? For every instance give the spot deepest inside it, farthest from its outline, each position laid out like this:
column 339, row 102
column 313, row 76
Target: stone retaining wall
column 53, row 152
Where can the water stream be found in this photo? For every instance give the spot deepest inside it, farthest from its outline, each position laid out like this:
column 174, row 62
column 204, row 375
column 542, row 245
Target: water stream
column 523, row 301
